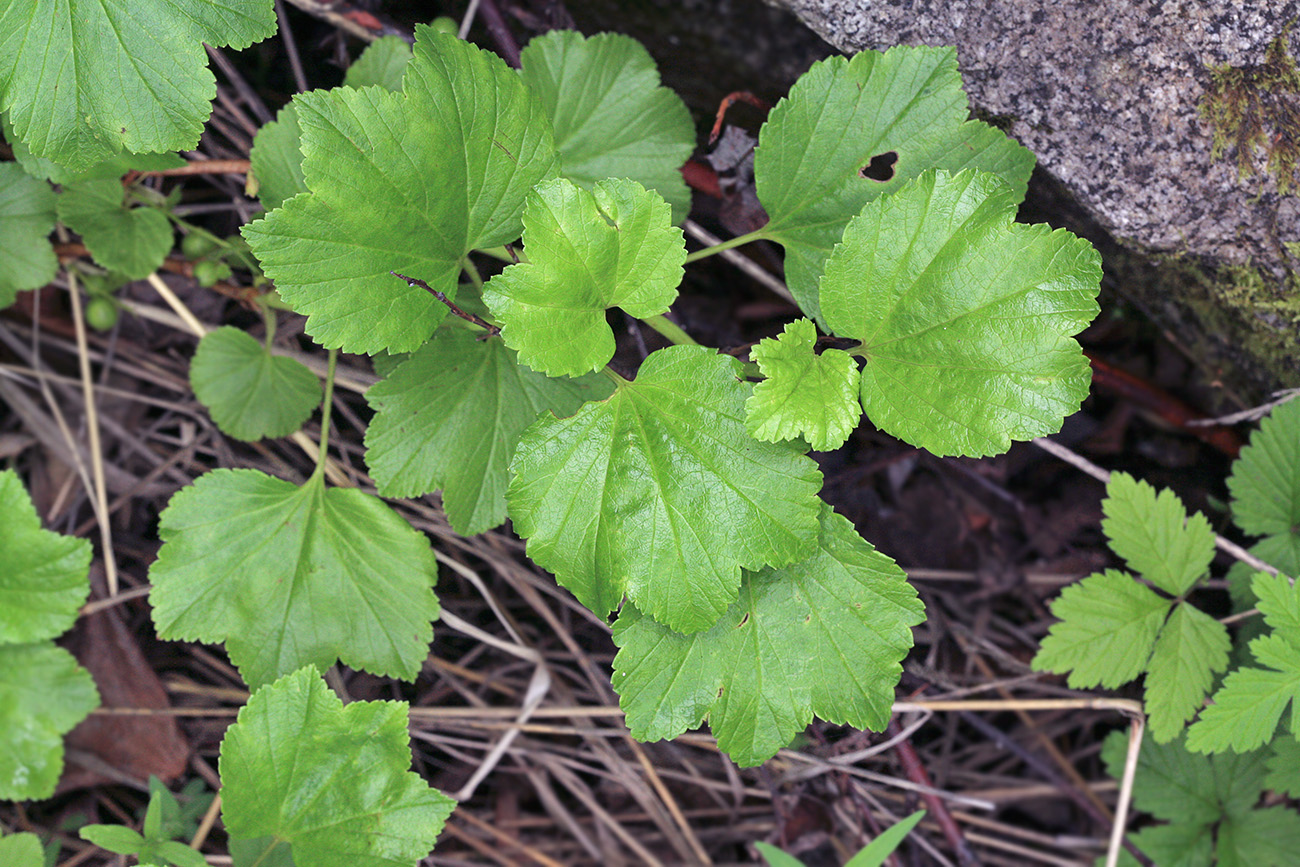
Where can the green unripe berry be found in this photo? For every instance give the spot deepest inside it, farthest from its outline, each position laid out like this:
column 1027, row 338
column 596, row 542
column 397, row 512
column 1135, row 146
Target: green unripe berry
column 195, row 245
column 101, row 313
column 207, row 272
column 443, row 24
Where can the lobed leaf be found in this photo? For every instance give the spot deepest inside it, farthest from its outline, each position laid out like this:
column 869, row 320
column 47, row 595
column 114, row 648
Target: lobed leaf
column 806, row 394
column 661, row 493
column 83, row 80
column 1178, row 845
column 1284, row 766
column 1191, row 649
column 823, row 636
column 380, row 167
column 450, row 416
column 1266, row 837
column 1265, row 480
column 131, row 240
column 611, row 117
column 842, row 122
column 587, row 251
column 289, row 576
column 27, row 209
column 965, row 317
column 331, row 783
column 250, row 392
column 44, row 693
column 1154, row 533
column 1107, row 628
column 382, row 64
column 276, row 159
column 43, row 582
column 1179, row 786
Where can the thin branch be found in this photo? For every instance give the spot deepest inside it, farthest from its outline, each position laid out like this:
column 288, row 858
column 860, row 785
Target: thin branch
column 451, row 305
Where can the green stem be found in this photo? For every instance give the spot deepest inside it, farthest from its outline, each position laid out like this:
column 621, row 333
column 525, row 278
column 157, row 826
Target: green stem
column 756, row 235
column 325, row 414
column 670, row 330
column 268, row 319
column 613, row 375
column 470, row 271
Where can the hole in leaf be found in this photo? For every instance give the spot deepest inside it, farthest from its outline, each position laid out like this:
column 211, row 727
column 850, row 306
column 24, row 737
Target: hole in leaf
column 743, row 621
column 881, row 167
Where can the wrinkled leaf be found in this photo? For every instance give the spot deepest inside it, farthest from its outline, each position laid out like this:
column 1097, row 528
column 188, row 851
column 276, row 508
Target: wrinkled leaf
column 965, row 317
column 449, row 417
column 26, row 219
column 331, row 782
column 83, row 80
column 587, row 252
column 611, row 117
column 379, row 167
column 43, row 695
column 276, row 159
column 824, row 146
column 806, row 394
column 823, row 636
column 289, row 576
column 661, row 493
column 383, row 63
column 131, row 240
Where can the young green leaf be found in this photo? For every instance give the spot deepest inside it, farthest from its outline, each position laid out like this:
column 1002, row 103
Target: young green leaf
column 381, row 168
column 611, row 117
column 449, row 418
column 333, row 783
column 131, row 240
column 661, row 493
column 83, row 80
column 276, row 159
column 1265, row 480
column 43, row 581
column 823, row 636
column 21, row 850
column 1155, row 535
column 1107, row 630
column 587, row 251
column 113, row 838
column 44, row 693
column 250, row 392
column 888, row 841
column 289, row 576
column 965, row 316
column 382, row 64
column 1192, row 648
column 818, row 154
column 804, row 394
column 26, row 219
column 1284, row 766
column 775, row 857
column 1250, row 703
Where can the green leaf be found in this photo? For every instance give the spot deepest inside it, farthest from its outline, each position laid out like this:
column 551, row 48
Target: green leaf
column 133, row 241
column 1191, row 649
column 806, row 394
column 261, row 852
column 43, row 581
column 1107, row 630
column 21, row 850
column 276, row 159
column 611, row 117
column 1265, row 480
column 179, row 854
column 587, row 252
column 775, row 857
column 1178, row 845
column 382, row 64
column 824, row 636
column 26, row 219
column 83, row 80
column 842, row 113
column 289, row 576
column 43, row 694
column 113, row 838
column 1155, row 535
column 114, row 167
column 1250, row 703
column 250, row 392
column 1284, row 766
column 875, row 852
column 449, row 418
column 1268, row 837
column 661, row 493
column 378, row 165
column 964, row 315
column 333, row 782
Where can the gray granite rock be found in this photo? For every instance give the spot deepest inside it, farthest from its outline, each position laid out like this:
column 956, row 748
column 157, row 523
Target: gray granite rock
column 1106, row 94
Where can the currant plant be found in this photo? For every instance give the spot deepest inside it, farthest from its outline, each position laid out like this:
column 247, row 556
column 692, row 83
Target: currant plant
column 682, row 497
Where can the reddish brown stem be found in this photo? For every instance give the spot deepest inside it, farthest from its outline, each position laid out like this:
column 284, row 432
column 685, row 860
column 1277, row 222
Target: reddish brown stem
column 915, row 772
column 727, row 102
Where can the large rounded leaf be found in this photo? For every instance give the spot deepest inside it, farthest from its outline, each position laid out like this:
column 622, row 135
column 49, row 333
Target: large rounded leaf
column 964, row 316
